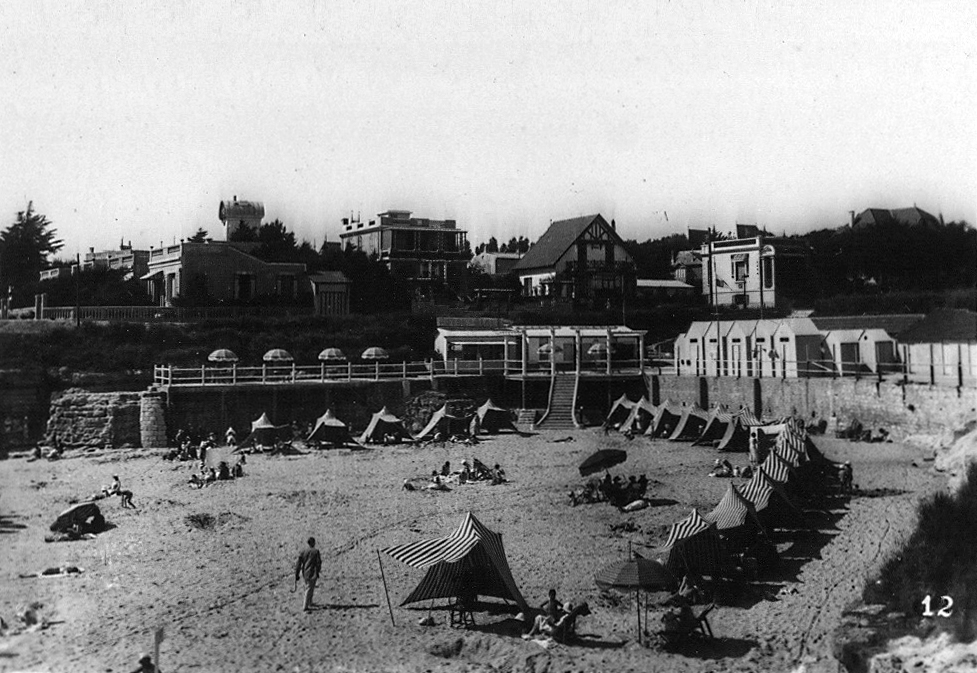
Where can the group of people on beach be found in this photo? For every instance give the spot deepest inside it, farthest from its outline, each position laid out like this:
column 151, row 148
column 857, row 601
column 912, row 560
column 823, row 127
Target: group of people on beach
column 723, row 468
column 615, row 490
column 222, row 472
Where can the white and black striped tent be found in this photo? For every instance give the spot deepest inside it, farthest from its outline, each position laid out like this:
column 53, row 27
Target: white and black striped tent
column 737, row 435
column 470, row 561
column 734, row 512
column 692, row 546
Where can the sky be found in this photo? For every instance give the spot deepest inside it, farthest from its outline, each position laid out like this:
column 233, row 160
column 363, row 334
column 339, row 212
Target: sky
column 132, row 121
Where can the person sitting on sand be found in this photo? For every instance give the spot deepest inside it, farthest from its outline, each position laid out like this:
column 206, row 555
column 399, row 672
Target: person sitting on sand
column 846, row 477
column 498, row 475
column 446, row 469
column 437, row 485
column 238, row 469
column 408, row 486
column 466, row 474
column 196, row 481
column 721, row 468
column 211, row 476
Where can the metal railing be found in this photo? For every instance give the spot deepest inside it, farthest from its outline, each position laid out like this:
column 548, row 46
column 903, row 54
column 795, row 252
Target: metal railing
column 166, row 313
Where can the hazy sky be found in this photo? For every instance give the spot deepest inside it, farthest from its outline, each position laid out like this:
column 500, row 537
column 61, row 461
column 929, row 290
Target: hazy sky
column 134, row 119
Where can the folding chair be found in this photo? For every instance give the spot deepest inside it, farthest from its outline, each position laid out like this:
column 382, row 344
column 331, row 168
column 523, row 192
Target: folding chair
column 461, row 613
column 702, row 623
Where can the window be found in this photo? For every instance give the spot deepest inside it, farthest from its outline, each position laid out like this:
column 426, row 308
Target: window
column 285, row 285
column 244, row 288
column 740, row 270
column 768, row 272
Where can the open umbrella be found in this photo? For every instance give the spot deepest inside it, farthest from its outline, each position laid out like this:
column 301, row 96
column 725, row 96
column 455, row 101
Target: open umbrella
column 602, row 460
column 548, row 348
column 375, row 353
column 635, row 574
column 332, row 355
column 222, row 355
column 277, row 355
column 599, row 349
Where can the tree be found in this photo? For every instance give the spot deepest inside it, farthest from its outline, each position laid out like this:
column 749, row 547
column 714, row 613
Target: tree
column 492, row 246
column 24, row 250
column 278, row 244
column 200, row 237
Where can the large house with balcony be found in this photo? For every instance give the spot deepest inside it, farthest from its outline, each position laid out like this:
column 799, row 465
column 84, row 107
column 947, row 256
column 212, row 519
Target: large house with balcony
column 581, row 260
column 753, row 270
column 423, row 251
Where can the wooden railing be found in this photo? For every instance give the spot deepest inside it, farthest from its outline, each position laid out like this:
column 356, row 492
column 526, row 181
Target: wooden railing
column 268, row 374
column 169, row 313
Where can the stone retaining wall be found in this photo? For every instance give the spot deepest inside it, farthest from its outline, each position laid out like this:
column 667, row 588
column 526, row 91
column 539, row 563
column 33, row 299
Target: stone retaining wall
column 79, row 418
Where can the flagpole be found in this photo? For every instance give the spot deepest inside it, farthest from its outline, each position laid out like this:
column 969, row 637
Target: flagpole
column 385, row 592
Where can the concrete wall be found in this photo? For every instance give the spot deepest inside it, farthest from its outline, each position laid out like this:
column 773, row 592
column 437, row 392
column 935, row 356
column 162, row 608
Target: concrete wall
column 23, row 407
column 902, row 409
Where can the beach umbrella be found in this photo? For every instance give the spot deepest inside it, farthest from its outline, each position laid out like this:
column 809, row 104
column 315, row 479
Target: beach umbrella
column 375, row 353
column 547, row 348
column 331, row 355
column 277, row 355
column 635, row 574
column 602, row 460
column 599, row 349
column 222, row 355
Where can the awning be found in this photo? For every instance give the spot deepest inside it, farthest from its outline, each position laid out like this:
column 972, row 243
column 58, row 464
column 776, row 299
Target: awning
column 152, row 275
column 741, row 257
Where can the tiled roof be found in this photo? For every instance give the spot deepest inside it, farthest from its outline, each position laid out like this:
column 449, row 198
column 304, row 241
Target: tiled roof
column 554, row 242
column 949, row 325
column 329, row 277
column 913, row 216
column 893, row 324
column 663, row 284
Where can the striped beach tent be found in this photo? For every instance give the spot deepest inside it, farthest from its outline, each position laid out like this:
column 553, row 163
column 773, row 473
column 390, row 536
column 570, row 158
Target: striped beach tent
column 693, row 545
column 665, row 420
column 691, row 425
column 768, row 497
column 470, row 561
column 734, row 512
column 640, row 417
column 620, row 411
column 777, row 468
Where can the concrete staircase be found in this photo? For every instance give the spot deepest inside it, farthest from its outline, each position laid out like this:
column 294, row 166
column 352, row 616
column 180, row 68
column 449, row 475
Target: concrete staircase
column 560, row 414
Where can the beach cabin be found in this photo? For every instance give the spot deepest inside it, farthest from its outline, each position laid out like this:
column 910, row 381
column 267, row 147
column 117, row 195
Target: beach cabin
column 861, row 351
column 797, row 344
column 942, row 347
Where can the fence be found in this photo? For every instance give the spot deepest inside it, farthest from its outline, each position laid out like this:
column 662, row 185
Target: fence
column 218, row 374
column 162, row 313
column 946, row 373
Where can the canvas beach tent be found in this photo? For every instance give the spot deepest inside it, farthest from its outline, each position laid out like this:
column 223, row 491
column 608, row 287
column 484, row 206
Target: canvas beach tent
column 446, row 424
column 330, row 430
column 693, row 546
column 715, row 428
column 772, row 503
column 734, row 514
column 264, row 433
column 642, row 414
column 382, row 424
column 665, row 420
column 691, row 425
column 737, row 435
column 470, row 561
column 491, row 418
column 620, row 410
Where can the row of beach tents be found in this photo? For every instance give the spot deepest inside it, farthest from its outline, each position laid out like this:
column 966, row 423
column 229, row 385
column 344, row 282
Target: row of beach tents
column 792, row 471
column 721, row 428
column 384, row 426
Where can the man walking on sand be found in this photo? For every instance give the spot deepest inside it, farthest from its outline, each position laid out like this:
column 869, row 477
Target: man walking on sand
column 308, row 565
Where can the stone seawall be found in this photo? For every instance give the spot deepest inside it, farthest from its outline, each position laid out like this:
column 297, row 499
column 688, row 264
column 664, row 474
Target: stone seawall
column 23, row 407
column 903, row 409
column 79, row 418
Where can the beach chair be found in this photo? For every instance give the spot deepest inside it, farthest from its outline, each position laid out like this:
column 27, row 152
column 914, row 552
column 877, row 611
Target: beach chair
column 703, row 623
column 461, row 614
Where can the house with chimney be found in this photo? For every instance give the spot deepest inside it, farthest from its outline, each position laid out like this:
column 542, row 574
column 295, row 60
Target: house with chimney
column 582, row 260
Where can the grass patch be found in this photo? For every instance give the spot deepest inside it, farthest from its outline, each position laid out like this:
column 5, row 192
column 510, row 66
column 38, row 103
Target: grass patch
column 938, row 559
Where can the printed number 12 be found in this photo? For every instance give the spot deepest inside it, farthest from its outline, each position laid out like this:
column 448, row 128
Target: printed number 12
column 945, row 611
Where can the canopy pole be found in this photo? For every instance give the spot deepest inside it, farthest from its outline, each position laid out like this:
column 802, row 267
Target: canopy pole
column 637, row 604
column 385, row 592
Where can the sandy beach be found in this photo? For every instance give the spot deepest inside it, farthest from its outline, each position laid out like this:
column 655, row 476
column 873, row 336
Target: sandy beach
column 223, row 594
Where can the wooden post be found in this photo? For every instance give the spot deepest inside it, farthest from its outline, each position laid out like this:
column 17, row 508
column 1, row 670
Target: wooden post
column 932, row 367
column 293, row 371
column 203, row 374
column 405, row 369
column 608, row 343
column 385, row 592
column 959, row 366
column 641, row 354
column 264, row 373
column 577, row 345
column 552, row 352
column 322, row 371
column 481, row 369
column 349, row 371
column 377, row 364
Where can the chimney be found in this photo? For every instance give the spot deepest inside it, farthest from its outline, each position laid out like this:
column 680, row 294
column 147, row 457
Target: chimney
column 851, row 214
column 613, row 225
column 235, row 198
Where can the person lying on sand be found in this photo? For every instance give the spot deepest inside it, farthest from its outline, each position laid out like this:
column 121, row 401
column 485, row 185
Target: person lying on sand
column 61, row 571
column 722, row 468
column 436, row 484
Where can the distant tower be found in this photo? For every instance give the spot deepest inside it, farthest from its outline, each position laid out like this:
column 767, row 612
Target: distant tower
column 236, row 214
